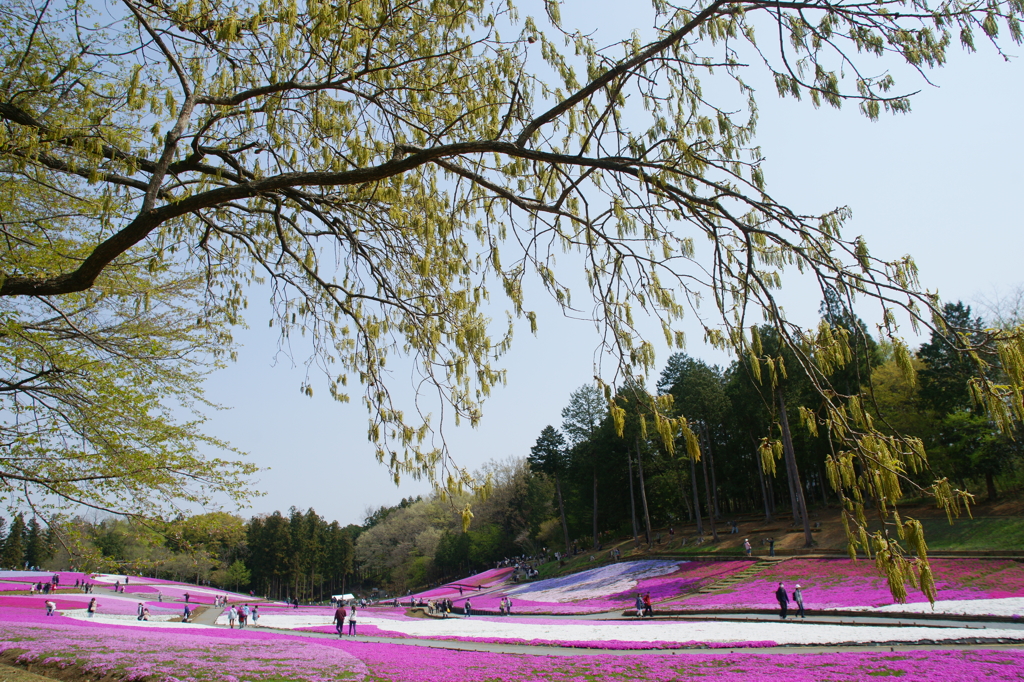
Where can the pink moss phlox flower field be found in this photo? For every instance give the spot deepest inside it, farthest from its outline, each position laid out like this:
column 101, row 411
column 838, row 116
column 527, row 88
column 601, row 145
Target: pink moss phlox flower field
column 842, row 583
column 393, row 663
column 175, row 655
column 607, row 588
column 484, row 580
column 368, row 630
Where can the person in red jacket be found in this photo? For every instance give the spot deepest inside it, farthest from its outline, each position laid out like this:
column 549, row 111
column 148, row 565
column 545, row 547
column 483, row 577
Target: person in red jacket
column 339, row 620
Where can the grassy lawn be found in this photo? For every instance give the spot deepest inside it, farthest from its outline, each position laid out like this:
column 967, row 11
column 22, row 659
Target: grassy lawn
column 988, row 533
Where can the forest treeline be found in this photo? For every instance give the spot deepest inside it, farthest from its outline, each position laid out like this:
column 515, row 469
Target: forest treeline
column 763, row 453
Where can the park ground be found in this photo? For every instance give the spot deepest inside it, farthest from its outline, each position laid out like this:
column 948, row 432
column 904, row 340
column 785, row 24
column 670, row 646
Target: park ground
column 714, row 616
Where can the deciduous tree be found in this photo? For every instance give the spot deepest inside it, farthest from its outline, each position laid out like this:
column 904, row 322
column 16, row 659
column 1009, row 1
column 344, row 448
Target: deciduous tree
column 384, row 165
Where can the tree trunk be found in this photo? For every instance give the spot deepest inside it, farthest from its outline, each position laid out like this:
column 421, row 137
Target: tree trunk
column 794, row 473
column 643, row 495
column 990, row 484
column 764, row 489
column 561, row 511
column 683, row 497
column 696, row 498
column 596, row 543
column 711, row 466
column 708, row 499
column 632, row 500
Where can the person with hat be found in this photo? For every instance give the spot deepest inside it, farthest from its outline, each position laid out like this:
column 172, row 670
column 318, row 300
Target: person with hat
column 798, row 599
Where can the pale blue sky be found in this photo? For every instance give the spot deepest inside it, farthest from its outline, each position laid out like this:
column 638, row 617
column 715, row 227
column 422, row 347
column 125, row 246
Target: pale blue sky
column 942, row 183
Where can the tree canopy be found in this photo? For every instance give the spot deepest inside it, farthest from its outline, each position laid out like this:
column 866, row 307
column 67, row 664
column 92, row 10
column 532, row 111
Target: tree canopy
column 384, row 166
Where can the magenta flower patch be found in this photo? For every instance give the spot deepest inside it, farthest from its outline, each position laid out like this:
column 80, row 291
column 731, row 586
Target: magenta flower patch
column 842, row 583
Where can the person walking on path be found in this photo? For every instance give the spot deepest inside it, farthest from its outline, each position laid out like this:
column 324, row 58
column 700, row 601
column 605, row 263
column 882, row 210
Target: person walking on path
column 771, row 546
column 783, row 598
column 243, row 616
column 339, row 620
column 91, row 608
column 352, row 621
column 648, row 607
column 746, row 546
column 639, row 604
column 256, row 615
column 468, row 609
column 798, row 599
column 232, row 616
column 187, row 614
column 139, row 610
column 508, row 606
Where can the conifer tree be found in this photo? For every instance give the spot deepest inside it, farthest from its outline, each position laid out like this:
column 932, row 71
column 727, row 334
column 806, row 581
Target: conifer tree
column 548, row 455
column 13, row 554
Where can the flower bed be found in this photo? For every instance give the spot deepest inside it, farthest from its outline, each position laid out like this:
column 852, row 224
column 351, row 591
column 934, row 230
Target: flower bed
column 845, row 584
column 252, row 655
column 69, row 602
column 484, row 580
column 415, row 664
column 608, row 588
column 165, row 654
column 372, row 630
column 643, row 633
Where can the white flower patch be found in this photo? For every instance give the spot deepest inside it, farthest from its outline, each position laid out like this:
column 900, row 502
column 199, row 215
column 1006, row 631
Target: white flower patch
column 596, row 583
column 290, row 621
column 1010, row 606
column 162, row 621
column 781, row 632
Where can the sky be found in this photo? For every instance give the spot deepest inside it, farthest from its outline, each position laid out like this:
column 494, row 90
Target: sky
column 942, row 183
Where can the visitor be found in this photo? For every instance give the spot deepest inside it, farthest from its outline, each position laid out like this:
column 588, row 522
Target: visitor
column 187, row 597
column 145, row 613
column 648, row 607
column 232, row 616
column 243, row 616
column 256, row 615
column 746, row 546
column 798, row 599
column 50, row 607
column 339, row 620
column 186, row 614
column 508, row 605
column 783, row 599
column 771, row 546
column 468, row 608
column 639, row 604
column 138, row 610
column 352, row 621
column 91, row 608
